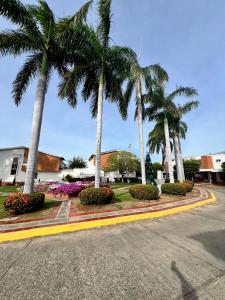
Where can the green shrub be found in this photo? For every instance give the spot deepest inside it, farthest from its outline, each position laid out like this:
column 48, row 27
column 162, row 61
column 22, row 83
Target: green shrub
column 20, row 203
column 103, row 195
column 174, row 189
column 189, row 185
column 144, row 192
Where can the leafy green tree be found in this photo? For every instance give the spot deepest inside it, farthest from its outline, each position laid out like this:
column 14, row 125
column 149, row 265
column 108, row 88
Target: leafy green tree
column 191, row 167
column 40, row 36
column 124, row 162
column 102, row 75
column 77, row 162
column 157, row 166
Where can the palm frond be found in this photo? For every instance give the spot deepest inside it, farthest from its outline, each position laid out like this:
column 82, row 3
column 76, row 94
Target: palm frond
column 79, row 17
column 16, row 42
column 68, row 87
column 16, row 12
column 45, row 18
column 28, row 71
column 103, row 29
column 183, row 91
column 187, row 107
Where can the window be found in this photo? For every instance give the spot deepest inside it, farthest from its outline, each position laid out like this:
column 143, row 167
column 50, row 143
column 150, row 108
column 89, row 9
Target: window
column 218, row 160
column 15, row 164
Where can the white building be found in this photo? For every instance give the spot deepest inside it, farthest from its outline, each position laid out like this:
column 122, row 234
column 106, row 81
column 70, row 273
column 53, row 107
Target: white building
column 13, row 163
column 49, row 167
column 210, row 167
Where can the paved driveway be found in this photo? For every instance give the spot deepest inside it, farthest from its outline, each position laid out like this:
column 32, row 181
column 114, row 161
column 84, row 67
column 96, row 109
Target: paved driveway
column 176, row 257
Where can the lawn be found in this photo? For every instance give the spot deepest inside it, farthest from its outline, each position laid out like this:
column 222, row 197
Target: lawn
column 8, row 189
column 43, row 213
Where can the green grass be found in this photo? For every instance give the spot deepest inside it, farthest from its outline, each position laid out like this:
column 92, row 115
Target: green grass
column 3, row 212
column 8, row 189
column 122, row 193
column 121, row 185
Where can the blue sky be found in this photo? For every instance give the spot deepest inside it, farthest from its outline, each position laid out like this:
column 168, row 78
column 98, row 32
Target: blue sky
column 186, row 37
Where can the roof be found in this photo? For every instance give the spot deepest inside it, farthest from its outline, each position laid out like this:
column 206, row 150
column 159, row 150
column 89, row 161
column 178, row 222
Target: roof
column 24, row 147
column 102, row 153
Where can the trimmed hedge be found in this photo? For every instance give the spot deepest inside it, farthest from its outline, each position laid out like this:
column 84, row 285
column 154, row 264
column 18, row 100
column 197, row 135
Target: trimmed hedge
column 174, row 188
column 20, row 203
column 90, row 196
column 189, row 185
column 144, row 192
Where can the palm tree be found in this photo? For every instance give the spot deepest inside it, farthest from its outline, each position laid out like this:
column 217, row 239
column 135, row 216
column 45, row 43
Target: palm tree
column 38, row 35
column 156, row 141
column 102, row 75
column 137, row 76
column 161, row 106
column 179, row 131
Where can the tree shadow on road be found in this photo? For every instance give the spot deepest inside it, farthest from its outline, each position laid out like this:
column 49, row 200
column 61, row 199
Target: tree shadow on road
column 213, row 242
column 188, row 291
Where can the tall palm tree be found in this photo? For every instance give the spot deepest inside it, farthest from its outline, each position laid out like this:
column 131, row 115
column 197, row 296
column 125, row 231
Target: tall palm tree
column 137, row 77
column 37, row 35
column 156, row 141
column 179, row 131
column 162, row 105
column 102, row 75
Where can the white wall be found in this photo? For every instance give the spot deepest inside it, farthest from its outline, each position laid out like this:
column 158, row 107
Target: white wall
column 218, row 159
column 6, row 158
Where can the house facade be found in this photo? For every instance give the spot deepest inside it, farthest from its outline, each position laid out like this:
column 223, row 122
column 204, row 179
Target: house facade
column 210, row 167
column 109, row 176
column 13, row 164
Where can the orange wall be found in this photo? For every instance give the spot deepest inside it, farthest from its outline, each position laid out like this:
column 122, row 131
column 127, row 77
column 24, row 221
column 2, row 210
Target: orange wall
column 206, row 162
column 104, row 158
column 45, row 162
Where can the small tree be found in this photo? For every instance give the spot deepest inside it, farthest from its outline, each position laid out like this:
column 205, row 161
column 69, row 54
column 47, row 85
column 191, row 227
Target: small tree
column 157, row 166
column 150, row 174
column 223, row 166
column 123, row 162
column 191, row 167
column 76, row 162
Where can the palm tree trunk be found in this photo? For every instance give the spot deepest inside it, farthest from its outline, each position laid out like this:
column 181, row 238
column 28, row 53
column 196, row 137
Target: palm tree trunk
column 177, row 158
column 163, row 156
column 168, row 150
column 99, row 131
column 181, row 159
column 36, row 128
column 140, row 130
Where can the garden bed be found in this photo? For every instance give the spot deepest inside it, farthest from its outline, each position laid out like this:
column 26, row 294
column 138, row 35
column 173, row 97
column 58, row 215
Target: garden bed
column 49, row 211
column 123, row 200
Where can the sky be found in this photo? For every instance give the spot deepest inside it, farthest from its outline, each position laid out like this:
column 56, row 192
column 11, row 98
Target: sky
column 187, row 38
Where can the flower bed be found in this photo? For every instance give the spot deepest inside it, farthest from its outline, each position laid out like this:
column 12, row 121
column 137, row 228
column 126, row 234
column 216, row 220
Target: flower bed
column 66, row 190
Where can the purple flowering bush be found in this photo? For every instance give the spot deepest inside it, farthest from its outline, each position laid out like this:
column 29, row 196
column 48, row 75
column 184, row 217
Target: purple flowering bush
column 43, row 187
column 70, row 190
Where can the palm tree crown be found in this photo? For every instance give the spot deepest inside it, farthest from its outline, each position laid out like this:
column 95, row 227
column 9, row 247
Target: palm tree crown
column 40, row 36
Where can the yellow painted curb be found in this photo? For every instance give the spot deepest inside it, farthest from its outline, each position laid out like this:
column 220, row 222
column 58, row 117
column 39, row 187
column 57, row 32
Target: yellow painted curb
column 52, row 230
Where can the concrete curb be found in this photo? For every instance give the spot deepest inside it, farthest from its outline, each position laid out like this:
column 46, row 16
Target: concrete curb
column 77, row 226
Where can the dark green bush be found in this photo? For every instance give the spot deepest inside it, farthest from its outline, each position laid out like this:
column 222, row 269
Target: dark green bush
column 103, row 195
column 189, row 185
column 174, row 188
column 144, row 192
column 20, row 203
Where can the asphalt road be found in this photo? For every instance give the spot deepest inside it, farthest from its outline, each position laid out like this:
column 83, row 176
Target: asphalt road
column 175, row 257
